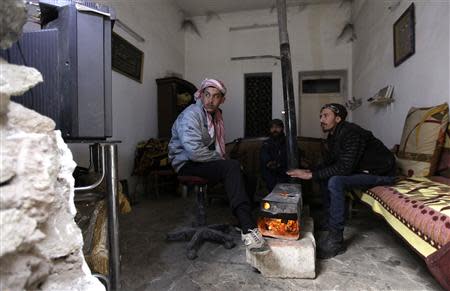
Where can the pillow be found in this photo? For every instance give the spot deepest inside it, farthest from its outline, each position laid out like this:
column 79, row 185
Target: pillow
column 444, row 161
column 422, row 140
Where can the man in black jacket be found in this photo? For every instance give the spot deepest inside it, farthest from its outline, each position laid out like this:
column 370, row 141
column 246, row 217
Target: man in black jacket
column 354, row 159
column 273, row 156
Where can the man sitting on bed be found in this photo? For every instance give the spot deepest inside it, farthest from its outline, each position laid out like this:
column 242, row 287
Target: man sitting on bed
column 354, row 159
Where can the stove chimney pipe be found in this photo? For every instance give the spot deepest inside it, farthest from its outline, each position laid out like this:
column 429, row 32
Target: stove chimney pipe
column 288, row 88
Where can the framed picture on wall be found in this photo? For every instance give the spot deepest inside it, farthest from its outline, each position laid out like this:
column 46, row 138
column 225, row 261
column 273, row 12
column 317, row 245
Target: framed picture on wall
column 126, row 58
column 404, row 36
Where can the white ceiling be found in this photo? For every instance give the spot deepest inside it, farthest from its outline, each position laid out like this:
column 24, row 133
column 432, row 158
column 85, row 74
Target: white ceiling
column 205, row 7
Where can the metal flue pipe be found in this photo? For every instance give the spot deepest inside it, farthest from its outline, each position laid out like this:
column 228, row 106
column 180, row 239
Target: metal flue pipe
column 288, row 87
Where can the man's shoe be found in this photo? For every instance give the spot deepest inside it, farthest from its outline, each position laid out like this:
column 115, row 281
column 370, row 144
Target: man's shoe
column 255, row 242
column 332, row 246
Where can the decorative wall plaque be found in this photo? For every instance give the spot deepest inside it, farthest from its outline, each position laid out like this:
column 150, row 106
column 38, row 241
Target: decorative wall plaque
column 126, row 58
column 404, row 36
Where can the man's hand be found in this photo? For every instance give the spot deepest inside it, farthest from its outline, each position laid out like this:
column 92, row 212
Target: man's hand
column 300, row 173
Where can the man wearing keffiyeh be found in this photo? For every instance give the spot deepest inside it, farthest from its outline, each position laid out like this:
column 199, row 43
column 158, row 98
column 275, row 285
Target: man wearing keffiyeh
column 197, row 148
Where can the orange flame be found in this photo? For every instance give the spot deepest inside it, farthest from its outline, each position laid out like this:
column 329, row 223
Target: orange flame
column 279, row 228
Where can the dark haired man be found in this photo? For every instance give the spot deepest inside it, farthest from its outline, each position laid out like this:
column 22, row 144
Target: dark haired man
column 273, row 156
column 354, row 159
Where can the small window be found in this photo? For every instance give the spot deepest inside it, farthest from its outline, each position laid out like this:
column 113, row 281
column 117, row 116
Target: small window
column 321, row 86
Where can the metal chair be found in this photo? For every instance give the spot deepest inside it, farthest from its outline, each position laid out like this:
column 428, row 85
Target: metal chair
column 200, row 232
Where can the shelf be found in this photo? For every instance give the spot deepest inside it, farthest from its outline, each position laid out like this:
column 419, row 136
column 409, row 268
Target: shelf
column 382, row 101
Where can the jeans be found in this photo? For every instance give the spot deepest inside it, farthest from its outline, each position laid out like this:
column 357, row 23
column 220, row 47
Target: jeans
column 333, row 192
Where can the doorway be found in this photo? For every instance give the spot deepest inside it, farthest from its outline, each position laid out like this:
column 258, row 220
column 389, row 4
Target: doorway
column 317, row 88
column 258, row 103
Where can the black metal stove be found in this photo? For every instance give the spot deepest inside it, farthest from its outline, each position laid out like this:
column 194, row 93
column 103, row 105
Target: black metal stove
column 280, row 212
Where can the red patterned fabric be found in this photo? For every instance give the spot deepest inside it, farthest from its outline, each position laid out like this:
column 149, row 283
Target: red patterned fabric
column 439, row 265
column 423, row 207
column 415, row 210
column 444, row 163
column 192, row 180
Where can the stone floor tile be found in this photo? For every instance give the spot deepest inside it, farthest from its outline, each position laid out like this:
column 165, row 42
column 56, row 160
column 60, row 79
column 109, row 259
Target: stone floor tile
column 375, row 260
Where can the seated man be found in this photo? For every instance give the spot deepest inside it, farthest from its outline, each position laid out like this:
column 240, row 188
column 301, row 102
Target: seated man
column 273, row 156
column 355, row 159
column 197, row 148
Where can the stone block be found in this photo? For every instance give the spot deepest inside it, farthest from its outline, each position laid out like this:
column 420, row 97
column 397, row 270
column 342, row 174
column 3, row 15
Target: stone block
column 288, row 258
column 41, row 246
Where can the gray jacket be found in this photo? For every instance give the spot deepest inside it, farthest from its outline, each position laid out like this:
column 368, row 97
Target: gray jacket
column 190, row 138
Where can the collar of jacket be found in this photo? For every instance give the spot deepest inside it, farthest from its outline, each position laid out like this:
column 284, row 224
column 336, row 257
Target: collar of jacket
column 337, row 130
column 199, row 103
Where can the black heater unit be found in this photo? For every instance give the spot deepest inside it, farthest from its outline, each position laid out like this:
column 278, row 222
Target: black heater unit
column 72, row 50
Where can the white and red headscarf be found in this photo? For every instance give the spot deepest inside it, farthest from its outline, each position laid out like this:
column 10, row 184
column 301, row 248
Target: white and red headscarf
column 215, row 125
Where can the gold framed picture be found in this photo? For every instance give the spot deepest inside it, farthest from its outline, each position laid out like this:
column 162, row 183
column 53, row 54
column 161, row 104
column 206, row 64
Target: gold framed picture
column 404, row 36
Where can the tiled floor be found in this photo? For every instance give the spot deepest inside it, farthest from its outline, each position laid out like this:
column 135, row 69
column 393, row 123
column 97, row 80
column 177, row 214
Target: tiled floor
column 375, row 260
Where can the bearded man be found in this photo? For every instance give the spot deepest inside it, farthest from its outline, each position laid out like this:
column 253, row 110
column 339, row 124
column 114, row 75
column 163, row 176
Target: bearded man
column 354, row 159
column 273, row 156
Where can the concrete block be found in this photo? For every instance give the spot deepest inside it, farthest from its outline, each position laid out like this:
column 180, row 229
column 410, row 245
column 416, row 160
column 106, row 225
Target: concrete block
column 288, row 259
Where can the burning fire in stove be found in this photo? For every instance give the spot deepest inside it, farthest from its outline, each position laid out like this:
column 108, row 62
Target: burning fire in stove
column 281, row 211
column 279, row 228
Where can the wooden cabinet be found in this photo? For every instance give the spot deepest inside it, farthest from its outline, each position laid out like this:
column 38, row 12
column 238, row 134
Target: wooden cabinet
column 174, row 95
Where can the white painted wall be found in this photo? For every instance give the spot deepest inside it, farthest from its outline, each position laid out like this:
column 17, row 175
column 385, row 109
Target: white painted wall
column 135, row 104
column 312, row 32
column 422, row 80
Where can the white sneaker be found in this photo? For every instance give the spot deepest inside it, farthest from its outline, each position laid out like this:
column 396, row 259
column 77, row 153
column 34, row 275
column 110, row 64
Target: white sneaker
column 255, row 242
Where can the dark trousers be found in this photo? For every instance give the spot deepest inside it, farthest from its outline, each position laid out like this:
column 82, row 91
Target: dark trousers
column 228, row 172
column 333, row 193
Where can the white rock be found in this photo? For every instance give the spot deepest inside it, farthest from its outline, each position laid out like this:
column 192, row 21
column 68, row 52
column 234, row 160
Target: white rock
column 41, row 245
column 24, row 120
column 288, row 258
column 16, row 229
column 7, row 174
column 15, row 80
column 23, row 271
column 13, row 17
column 66, row 181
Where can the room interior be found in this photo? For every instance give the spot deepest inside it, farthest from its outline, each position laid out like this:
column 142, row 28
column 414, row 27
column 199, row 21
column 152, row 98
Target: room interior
column 198, row 39
column 313, row 34
column 178, row 43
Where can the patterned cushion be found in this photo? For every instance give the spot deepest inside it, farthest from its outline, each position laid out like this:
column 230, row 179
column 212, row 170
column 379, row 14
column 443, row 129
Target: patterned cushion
column 444, row 163
column 418, row 209
column 422, row 140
